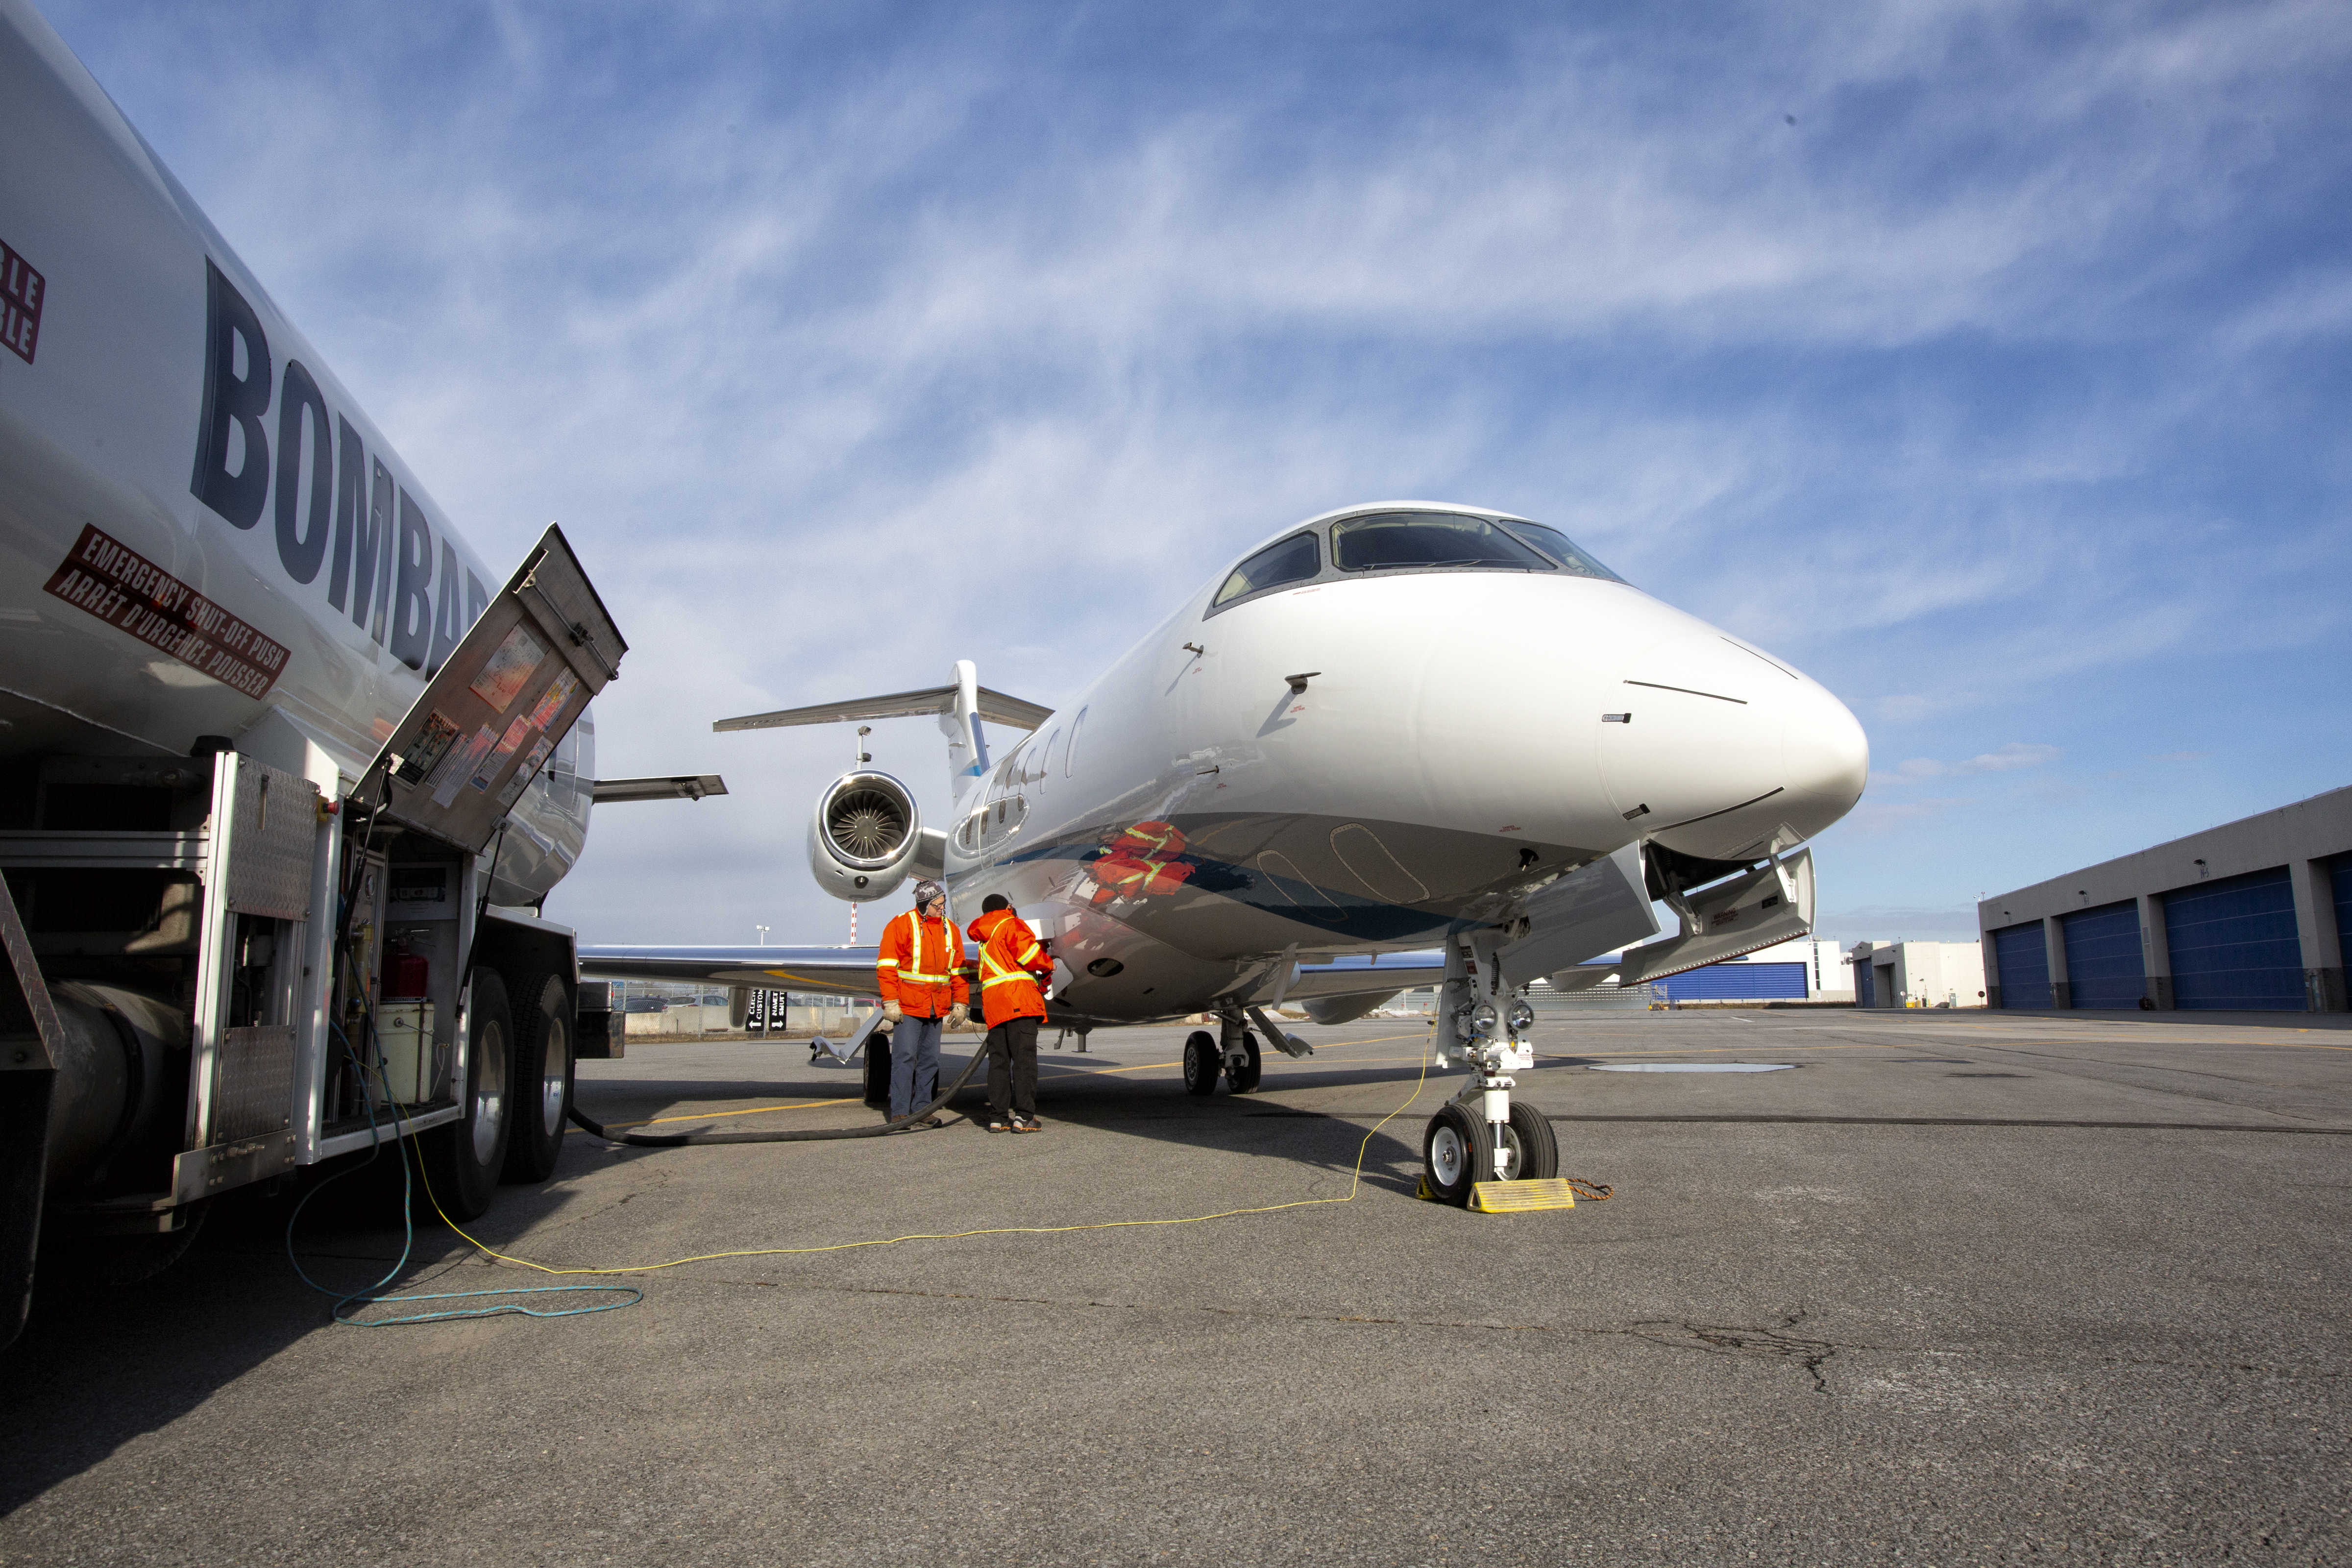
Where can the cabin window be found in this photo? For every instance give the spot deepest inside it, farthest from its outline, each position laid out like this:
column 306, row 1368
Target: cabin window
column 1429, row 540
column 1294, row 560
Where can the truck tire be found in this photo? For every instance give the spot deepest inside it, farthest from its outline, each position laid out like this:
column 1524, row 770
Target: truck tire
column 462, row 1160
column 542, row 1075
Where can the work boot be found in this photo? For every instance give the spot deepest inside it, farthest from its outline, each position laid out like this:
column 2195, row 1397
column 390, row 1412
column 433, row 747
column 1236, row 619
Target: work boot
column 1026, row 1124
column 999, row 1124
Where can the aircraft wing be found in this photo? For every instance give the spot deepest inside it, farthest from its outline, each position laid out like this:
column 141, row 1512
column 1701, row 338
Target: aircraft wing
column 849, row 970
column 1384, row 974
column 825, row 971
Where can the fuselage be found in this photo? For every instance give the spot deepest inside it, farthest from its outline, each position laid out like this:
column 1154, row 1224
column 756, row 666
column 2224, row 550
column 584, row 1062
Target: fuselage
column 199, row 527
column 1363, row 761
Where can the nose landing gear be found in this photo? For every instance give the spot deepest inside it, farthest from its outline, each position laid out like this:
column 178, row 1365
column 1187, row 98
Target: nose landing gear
column 1483, row 1135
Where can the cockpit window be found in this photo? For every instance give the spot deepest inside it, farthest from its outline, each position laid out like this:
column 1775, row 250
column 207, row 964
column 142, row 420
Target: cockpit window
column 1421, row 541
column 1556, row 544
column 1293, row 561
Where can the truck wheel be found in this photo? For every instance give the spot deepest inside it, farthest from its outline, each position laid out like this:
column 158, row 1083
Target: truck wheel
column 542, row 1076
column 462, row 1160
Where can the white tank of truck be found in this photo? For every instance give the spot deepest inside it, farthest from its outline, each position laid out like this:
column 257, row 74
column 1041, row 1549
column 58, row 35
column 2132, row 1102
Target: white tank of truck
column 198, row 524
column 253, row 922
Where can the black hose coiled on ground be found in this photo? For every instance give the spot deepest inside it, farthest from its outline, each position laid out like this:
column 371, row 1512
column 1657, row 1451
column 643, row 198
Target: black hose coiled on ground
column 813, row 1135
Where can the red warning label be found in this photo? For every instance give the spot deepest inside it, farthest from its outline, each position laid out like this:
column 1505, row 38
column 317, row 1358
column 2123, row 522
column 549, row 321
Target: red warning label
column 20, row 303
column 125, row 589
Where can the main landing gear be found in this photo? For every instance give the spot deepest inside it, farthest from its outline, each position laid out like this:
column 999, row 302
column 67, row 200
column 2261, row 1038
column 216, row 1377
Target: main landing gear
column 1483, row 1135
column 1235, row 1051
column 1204, row 1059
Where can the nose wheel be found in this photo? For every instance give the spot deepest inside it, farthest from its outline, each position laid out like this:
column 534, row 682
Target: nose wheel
column 1460, row 1148
column 1456, row 1153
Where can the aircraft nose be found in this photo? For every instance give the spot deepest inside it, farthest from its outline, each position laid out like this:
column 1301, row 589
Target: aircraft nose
column 1825, row 755
column 1716, row 748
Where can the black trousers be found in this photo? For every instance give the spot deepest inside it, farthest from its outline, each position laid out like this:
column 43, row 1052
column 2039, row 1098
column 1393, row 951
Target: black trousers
column 1012, row 1067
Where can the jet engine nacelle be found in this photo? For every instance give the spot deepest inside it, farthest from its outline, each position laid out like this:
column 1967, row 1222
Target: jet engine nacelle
column 865, row 837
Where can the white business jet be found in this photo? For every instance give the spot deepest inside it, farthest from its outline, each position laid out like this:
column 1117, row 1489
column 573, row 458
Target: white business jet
column 1326, row 778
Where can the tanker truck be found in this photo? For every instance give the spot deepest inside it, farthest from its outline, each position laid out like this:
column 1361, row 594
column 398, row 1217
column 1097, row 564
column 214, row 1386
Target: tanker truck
column 286, row 770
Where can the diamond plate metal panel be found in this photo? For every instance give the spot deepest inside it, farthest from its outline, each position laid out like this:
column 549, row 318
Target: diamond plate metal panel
column 255, row 1094
column 276, row 833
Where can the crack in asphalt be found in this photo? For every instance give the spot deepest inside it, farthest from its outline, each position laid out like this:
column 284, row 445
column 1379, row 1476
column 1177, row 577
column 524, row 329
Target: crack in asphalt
column 1713, row 1339
column 1724, row 1338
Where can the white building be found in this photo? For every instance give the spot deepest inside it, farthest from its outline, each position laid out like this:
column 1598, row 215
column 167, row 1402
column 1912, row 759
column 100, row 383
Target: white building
column 1918, row 973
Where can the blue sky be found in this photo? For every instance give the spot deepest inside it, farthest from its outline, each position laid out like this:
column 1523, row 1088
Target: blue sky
column 1988, row 361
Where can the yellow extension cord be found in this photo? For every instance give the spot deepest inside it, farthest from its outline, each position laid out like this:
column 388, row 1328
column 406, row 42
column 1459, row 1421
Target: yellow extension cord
column 1355, row 1180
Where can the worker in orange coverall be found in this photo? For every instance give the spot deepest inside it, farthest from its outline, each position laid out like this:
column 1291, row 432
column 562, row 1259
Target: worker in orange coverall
column 1014, row 969
column 920, row 971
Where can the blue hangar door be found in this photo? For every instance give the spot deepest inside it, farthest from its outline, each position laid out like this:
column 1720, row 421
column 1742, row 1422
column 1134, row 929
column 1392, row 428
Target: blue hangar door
column 1737, row 981
column 2103, row 956
column 2023, row 964
column 2339, row 881
column 2235, row 945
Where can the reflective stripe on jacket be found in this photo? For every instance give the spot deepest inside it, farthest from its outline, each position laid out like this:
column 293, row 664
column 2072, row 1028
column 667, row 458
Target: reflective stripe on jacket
column 920, row 966
column 1014, row 964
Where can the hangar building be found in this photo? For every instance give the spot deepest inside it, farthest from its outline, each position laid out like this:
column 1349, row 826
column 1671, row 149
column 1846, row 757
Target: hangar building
column 1917, row 974
column 2252, row 915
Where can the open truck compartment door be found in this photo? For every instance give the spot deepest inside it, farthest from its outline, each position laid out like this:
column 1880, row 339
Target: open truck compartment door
column 460, row 758
column 424, row 811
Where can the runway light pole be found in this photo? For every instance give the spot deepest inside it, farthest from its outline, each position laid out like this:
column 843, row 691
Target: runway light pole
column 763, row 935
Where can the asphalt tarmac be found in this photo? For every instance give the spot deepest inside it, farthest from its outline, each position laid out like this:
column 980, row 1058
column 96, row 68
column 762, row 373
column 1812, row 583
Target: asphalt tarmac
column 1956, row 1289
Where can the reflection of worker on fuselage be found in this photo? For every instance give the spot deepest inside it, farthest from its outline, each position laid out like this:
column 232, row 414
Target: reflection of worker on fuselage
column 920, row 976
column 1014, row 968
column 1140, row 860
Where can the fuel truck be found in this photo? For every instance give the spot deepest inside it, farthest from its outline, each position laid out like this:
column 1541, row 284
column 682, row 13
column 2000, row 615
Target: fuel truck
column 286, row 770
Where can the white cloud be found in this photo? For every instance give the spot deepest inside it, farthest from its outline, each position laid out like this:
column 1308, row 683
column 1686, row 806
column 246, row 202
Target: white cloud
column 2008, row 759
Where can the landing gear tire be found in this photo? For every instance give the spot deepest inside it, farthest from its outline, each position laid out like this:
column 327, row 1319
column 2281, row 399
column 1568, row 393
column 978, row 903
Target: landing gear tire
column 877, row 1068
column 1202, row 1060
column 462, row 1161
column 1245, row 1079
column 1456, row 1155
column 1538, row 1148
column 542, row 1076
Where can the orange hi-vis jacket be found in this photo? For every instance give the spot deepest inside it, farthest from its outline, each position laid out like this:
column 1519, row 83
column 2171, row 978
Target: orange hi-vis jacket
column 921, row 965
column 1013, row 965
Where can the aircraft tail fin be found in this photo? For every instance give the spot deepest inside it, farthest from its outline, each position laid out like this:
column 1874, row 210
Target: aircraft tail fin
column 960, row 705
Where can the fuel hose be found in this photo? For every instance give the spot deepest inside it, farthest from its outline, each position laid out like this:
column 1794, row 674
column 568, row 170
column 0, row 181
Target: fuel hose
column 909, row 1123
